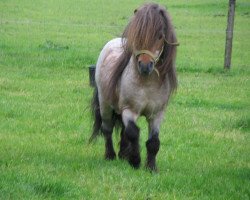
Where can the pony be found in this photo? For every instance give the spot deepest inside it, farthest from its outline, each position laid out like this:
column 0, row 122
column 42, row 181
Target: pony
column 135, row 76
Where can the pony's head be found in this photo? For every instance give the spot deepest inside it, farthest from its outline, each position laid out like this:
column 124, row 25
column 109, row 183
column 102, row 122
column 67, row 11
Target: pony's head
column 150, row 38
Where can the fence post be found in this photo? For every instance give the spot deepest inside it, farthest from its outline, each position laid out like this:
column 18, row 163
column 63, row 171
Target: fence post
column 92, row 75
column 229, row 34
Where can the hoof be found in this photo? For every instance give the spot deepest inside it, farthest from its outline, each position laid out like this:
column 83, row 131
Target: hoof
column 151, row 167
column 110, row 156
column 124, row 153
column 135, row 161
column 123, row 156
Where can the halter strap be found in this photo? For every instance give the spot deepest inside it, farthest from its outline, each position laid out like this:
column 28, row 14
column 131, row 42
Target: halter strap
column 172, row 43
column 137, row 53
column 155, row 58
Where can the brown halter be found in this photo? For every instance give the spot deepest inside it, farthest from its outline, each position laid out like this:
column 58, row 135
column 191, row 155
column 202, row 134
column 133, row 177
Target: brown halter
column 155, row 58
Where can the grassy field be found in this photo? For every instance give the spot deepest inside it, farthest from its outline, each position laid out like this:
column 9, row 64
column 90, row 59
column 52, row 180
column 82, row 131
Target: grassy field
column 45, row 121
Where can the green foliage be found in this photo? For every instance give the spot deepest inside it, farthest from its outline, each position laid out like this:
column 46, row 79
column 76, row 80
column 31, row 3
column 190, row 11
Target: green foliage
column 45, row 119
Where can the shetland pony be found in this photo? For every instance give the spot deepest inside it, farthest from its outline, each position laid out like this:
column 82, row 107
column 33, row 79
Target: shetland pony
column 135, row 76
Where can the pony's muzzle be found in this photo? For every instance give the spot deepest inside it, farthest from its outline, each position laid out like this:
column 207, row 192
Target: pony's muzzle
column 145, row 68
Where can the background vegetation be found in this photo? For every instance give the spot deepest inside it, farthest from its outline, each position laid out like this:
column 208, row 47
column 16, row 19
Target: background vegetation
column 45, row 121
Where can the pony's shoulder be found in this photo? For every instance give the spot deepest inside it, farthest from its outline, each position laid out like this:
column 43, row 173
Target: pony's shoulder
column 113, row 49
column 116, row 42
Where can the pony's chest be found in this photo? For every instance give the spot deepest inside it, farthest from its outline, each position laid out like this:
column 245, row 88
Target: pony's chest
column 151, row 101
column 144, row 101
column 145, row 96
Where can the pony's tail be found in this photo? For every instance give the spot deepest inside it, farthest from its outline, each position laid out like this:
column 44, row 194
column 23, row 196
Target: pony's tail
column 96, row 115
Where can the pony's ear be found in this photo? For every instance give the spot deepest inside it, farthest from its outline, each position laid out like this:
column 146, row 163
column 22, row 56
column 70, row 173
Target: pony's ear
column 135, row 11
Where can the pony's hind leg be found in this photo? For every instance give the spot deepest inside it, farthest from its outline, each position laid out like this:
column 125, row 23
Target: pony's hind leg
column 109, row 149
column 132, row 134
column 107, row 130
column 124, row 145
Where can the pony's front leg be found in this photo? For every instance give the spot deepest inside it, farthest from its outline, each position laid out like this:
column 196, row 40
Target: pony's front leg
column 153, row 142
column 132, row 134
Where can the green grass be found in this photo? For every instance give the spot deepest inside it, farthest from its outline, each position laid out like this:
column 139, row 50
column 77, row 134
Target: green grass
column 45, row 121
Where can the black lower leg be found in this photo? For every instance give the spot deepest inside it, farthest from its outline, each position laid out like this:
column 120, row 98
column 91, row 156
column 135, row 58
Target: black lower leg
column 124, row 145
column 109, row 149
column 132, row 134
column 153, row 146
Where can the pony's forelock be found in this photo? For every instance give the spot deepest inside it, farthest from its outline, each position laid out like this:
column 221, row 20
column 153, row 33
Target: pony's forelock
column 138, row 34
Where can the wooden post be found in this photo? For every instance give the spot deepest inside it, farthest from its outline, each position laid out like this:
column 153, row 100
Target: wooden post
column 229, row 34
column 92, row 75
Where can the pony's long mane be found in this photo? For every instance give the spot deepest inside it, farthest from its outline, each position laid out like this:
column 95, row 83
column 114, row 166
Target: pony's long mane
column 150, row 23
